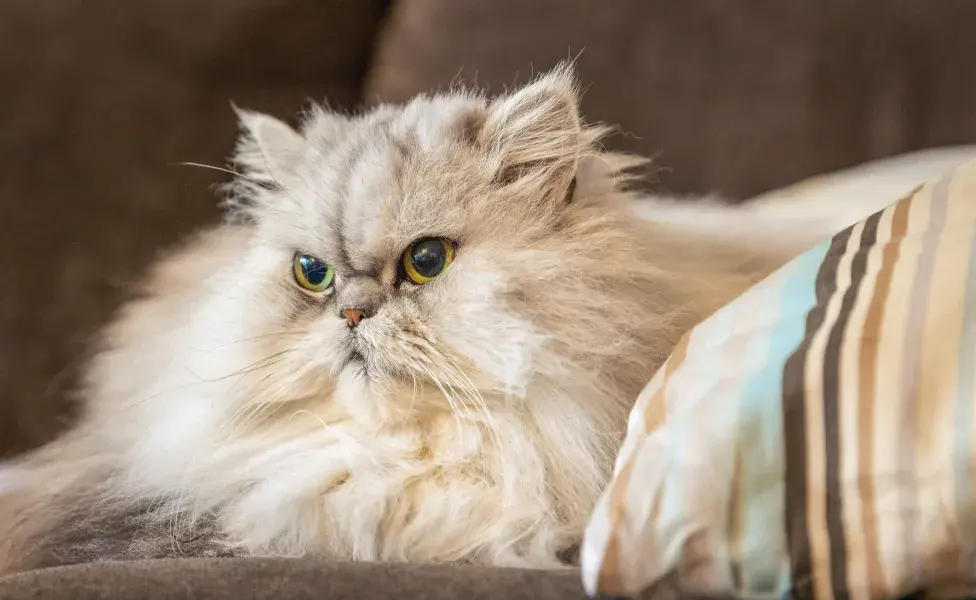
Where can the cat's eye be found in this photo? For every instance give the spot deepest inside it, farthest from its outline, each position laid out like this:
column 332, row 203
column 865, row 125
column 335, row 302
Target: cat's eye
column 427, row 258
column 313, row 274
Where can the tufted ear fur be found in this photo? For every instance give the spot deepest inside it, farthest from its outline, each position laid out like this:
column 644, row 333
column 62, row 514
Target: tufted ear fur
column 268, row 150
column 535, row 135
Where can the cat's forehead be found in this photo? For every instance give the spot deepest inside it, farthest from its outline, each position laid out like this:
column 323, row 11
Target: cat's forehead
column 432, row 123
column 397, row 174
column 426, row 123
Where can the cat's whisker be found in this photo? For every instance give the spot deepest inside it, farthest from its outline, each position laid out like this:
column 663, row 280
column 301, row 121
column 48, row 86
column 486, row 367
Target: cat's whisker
column 254, row 416
column 256, row 405
column 267, row 402
column 455, row 383
column 471, row 387
column 255, row 366
column 450, row 399
column 262, row 337
column 273, row 406
column 472, row 392
column 246, row 411
column 475, row 396
column 436, row 359
column 215, row 168
column 429, row 364
column 246, row 408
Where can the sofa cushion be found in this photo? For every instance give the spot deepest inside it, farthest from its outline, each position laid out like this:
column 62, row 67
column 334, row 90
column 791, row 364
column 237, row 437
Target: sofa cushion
column 292, row 579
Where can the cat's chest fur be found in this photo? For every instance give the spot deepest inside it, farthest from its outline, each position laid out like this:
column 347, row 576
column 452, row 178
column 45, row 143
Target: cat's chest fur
column 434, row 489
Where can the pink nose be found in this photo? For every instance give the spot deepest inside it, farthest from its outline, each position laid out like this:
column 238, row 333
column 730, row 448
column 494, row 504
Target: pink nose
column 352, row 316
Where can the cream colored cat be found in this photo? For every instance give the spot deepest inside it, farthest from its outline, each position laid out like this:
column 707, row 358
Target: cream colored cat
column 416, row 339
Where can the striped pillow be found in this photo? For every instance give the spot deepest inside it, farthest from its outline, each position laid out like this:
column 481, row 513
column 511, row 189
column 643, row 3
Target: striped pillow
column 814, row 438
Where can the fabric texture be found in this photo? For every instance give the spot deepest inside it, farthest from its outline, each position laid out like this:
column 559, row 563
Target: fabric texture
column 286, row 579
column 817, row 436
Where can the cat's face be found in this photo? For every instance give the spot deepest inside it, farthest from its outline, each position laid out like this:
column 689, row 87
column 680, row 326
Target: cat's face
column 445, row 242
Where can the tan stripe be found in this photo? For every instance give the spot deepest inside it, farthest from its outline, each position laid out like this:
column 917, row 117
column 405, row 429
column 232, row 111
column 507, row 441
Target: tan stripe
column 610, row 580
column 657, row 406
column 937, row 378
column 889, row 390
column 959, row 547
column 910, row 433
column 816, row 448
column 868, row 369
column 965, row 189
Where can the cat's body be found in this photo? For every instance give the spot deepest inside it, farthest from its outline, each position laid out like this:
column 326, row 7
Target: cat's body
column 471, row 418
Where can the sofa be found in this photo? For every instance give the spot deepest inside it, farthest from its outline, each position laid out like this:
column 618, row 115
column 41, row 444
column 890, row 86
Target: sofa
column 102, row 100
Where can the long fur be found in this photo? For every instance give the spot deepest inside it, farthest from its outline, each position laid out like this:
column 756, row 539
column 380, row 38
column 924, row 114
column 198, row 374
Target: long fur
column 474, row 418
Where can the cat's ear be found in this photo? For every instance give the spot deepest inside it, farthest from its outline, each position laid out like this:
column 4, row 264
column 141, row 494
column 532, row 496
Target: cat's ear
column 268, row 148
column 535, row 134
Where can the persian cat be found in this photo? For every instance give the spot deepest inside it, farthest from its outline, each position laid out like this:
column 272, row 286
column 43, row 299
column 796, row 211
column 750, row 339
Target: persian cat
column 416, row 337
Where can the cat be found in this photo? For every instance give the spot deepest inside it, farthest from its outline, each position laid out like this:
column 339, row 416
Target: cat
column 416, row 337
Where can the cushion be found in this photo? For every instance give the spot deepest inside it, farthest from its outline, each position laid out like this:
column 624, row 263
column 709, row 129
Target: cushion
column 817, row 436
column 286, row 579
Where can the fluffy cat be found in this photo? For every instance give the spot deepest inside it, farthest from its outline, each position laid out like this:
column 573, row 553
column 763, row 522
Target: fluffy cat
column 416, row 338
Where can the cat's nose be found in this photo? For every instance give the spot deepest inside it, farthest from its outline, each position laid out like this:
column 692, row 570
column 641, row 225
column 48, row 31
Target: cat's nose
column 359, row 298
column 353, row 316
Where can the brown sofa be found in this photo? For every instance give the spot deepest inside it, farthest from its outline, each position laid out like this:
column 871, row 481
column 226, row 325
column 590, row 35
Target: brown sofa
column 99, row 100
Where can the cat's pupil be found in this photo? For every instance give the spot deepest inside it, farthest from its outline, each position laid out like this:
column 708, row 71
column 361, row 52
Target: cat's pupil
column 313, row 269
column 428, row 257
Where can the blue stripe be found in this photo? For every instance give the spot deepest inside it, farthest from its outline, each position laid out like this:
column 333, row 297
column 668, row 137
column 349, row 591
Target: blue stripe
column 761, row 429
column 706, row 368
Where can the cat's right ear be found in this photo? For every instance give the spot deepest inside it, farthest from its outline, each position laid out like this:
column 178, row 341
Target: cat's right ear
column 268, row 149
column 535, row 136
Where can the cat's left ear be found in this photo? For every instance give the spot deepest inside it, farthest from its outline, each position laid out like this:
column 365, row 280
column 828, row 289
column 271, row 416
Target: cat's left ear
column 268, row 149
column 535, row 134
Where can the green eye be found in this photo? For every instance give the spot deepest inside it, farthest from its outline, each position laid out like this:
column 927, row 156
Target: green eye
column 426, row 258
column 313, row 274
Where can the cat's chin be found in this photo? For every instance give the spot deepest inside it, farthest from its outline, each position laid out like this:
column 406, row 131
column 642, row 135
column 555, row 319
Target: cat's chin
column 355, row 363
column 368, row 398
column 380, row 398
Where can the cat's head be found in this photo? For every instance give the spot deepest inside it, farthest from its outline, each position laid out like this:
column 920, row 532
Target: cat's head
column 455, row 242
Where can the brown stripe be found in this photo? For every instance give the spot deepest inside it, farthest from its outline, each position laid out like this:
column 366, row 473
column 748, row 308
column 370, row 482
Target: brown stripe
column 795, row 425
column 736, row 517
column 867, row 368
column 832, row 426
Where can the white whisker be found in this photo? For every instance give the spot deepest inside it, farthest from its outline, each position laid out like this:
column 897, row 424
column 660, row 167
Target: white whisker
column 214, row 168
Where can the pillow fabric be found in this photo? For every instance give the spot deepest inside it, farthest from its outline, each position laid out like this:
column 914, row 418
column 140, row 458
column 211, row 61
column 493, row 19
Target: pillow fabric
column 816, row 437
